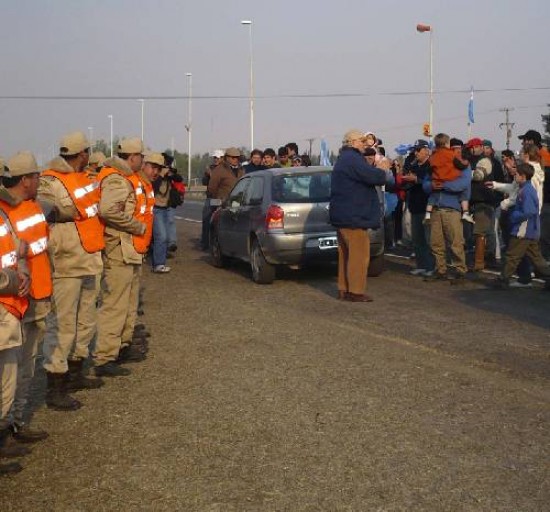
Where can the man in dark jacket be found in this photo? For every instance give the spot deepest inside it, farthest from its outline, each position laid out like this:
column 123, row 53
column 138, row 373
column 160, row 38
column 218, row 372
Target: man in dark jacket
column 217, row 157
column 354, row 208
column 482, row 200
column 417, row 200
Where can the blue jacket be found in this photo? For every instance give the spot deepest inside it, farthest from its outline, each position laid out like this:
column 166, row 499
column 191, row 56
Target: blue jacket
column 524, row 218
column 450, row 195
column 354, row 200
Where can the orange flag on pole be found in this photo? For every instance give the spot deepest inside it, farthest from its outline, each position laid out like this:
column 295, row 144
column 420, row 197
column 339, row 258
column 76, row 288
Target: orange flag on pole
column 423, row 28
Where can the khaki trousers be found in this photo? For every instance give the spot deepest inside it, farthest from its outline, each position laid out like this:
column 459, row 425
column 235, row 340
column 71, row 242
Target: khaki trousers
column 33, row 335
column 72, row 323
column 136, row 293
column 447, row 230
column 10, row 334
column 117, row 315
column 353, row 260
column 517, row 249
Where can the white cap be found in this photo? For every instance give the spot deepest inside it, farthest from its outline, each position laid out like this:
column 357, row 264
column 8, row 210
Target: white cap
column 218, row 153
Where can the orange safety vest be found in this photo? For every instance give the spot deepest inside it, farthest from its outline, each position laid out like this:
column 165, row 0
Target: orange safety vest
column 143, row 212
column 8, row 259
column 85, row 196
column 145, row 201
column 30, row 225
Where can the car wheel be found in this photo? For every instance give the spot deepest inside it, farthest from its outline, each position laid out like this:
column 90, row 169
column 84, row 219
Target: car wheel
column 262, row 271
column 218, row 259
column 376, row 265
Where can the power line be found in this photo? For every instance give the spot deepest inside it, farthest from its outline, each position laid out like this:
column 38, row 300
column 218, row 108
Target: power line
column 269, row 96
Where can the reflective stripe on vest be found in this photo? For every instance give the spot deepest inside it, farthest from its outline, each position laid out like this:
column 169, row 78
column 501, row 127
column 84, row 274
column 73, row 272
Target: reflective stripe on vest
column 85, row 196
column 8, row 258
column 39, row 246
column 29, row 222
column 82, row 191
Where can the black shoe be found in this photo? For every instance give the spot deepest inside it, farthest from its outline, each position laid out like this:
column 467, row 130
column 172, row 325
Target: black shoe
column 435, row 277
column 28, row 435
column 57, row 397
column 9, row 448
column 11, row 468
column 141, row 333
column 131, row 354
column 78, row 380
column 111, row 369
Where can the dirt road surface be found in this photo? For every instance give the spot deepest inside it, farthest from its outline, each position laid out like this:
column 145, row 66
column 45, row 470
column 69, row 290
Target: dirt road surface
column 281, row 398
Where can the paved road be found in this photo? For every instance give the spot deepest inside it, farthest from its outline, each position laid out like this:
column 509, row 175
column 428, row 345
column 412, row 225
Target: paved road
column 264, row 398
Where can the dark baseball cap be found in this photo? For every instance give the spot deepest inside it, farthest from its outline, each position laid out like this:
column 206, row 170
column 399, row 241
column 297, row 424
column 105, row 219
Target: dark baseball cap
column 531, row 135
column 420, row 143
column 456, row 143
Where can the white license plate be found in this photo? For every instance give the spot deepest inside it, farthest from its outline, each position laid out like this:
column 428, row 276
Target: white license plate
column 328, row 242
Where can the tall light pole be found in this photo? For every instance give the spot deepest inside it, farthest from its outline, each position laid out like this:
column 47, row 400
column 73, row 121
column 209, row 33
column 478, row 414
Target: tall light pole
column 428, row 28
column 110, row 116
column 142, row 120
column 91, row 137
column 249, row 23
column 188, row 125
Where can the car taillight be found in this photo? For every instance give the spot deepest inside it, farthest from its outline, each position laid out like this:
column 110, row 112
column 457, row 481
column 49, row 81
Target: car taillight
column 274, row 218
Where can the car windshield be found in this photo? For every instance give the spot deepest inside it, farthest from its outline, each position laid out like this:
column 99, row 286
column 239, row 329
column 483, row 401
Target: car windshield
column 301, row 188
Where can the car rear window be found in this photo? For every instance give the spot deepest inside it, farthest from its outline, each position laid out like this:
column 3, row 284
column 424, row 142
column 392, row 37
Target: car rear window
column 301, row 188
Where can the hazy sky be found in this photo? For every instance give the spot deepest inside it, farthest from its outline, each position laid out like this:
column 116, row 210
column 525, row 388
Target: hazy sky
column 141, row 48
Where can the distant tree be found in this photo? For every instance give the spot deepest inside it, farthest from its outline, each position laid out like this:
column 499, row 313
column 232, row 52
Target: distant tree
column 105, row 146
column 546, row 125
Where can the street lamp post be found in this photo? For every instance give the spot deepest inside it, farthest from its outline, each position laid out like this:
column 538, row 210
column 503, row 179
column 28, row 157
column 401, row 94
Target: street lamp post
column 188, row 125
column 142, row 120
column 428, row 28
column 249, row 23
column 91, row 137
column 110, row 116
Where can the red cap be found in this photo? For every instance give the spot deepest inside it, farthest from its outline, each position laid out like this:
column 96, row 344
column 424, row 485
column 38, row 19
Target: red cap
column 474, row 142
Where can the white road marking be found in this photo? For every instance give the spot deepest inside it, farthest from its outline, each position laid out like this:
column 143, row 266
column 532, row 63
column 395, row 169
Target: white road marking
column 177, row 217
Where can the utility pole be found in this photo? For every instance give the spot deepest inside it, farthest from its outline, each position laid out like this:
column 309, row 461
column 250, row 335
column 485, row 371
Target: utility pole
column 310, row 145
column 508, row 125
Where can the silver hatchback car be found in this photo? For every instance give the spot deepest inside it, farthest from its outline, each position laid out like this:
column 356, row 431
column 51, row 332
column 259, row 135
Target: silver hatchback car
column 281, row 217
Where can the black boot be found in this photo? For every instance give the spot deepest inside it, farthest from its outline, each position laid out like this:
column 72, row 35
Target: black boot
column 131, row 354
column 141, row 330
column 57, row 397
column 9, row 448
column 77, row 379
column 26, row 434
column 10, row 469
column 111, row 369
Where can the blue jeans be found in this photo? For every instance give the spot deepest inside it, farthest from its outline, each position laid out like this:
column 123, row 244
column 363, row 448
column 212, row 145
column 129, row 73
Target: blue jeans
column 160, row 235
column 172, row 235
column 420, row 234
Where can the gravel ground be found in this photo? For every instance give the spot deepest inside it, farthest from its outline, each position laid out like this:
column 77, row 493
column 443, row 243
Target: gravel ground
column 280, row 398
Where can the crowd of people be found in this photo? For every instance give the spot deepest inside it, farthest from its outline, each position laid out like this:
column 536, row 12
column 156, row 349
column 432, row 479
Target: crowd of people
column 73, row 238
column 459, row 199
